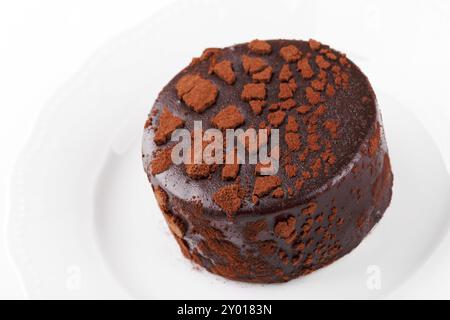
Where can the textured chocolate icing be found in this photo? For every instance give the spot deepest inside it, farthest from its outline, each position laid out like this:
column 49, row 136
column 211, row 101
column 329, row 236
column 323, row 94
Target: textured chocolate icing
column 334, row 182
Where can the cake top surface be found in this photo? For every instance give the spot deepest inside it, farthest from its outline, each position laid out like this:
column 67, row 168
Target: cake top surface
column 302, row 96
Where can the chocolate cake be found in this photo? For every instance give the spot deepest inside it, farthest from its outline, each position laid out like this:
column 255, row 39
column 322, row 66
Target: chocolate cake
column 334, row 180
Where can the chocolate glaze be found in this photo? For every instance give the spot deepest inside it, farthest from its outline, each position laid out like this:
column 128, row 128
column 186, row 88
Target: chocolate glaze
column 347, row 199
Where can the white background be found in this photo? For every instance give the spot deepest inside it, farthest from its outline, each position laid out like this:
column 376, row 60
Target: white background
column 42, row 44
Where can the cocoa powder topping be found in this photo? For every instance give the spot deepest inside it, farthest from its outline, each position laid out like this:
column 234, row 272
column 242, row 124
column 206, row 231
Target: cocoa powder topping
column 252, row 64
column 197, row 92
column 260, row 46
column 167, row 124
column 305, row 69
column 290, row 53
column 287, row 104
column 322, row 63
column 313, row 96
column 227, row 198
column 224, row 70
column 292, row 125
column 332, row 127
column 230, row 171
column 293, row 141
column 198, row 171
column 285, row 92
column 161, row 162
column 263, row 76
column 257, row 106
column 228, row 118
column 253, row 91
column 265, row 184
column 285, row 228
column 278, row 193
column 314, row 45
column 303, row 109
column 276, row 118
column 285, row 73
column 330, row 90
column 291, row 170
column 310, row 208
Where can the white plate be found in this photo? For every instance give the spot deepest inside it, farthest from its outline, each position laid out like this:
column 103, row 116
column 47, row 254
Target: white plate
column 83, row 220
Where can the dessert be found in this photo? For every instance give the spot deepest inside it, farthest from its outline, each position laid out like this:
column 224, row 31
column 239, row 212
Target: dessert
column 334, row 178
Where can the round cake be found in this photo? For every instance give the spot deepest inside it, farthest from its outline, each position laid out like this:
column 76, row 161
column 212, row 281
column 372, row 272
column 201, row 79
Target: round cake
column 326, row 180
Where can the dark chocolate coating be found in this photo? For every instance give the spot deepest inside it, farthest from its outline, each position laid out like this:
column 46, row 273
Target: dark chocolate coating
column 348, row 197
